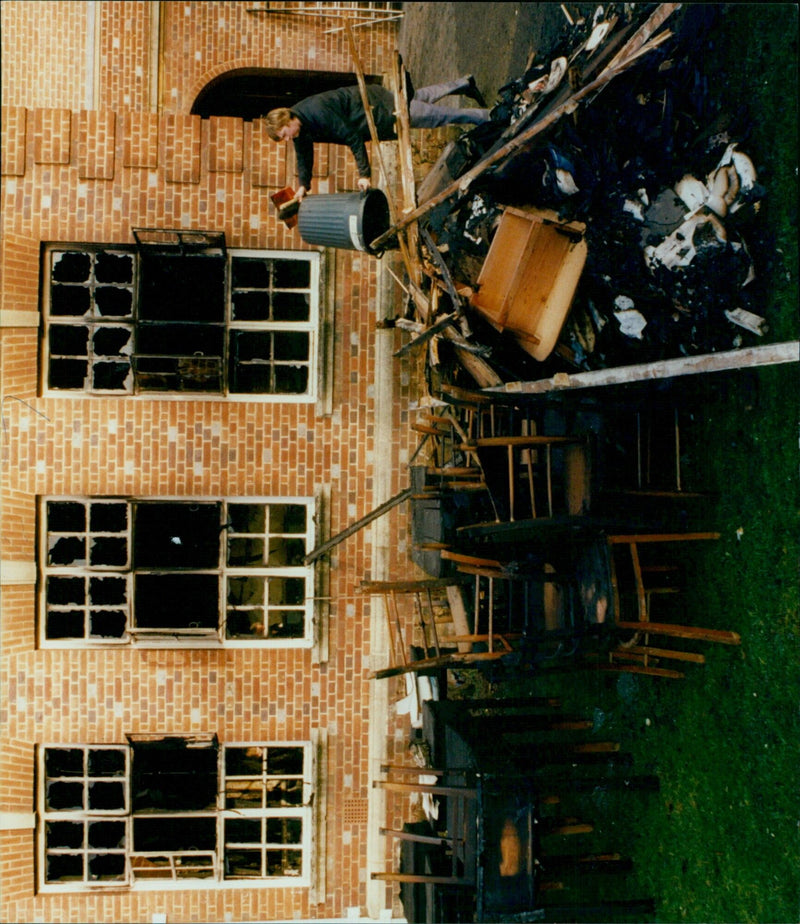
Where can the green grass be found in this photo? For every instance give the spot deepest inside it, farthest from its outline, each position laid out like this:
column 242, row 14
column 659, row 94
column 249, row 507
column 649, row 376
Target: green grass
column 720, row 842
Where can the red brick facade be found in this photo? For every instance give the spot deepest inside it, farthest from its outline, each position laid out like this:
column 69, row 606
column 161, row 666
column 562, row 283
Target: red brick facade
column 81, row 174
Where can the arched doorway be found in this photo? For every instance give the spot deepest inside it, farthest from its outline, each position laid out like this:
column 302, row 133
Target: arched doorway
column 249, row 93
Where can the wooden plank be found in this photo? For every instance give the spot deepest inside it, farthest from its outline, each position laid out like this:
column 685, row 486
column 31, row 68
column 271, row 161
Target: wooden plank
column 669, row 653
column 660, row 537
column 723, row 636
column 426, row 335
column 486, row 442
column 770, row 354
column 422, row 878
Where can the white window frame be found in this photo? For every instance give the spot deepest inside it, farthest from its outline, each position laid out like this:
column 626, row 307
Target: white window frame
column 311, row 326
column 179, row 859
column 171, row 637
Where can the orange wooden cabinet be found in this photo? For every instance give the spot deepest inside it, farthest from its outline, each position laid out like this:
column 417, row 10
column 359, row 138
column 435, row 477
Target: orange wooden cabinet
column 530, row 275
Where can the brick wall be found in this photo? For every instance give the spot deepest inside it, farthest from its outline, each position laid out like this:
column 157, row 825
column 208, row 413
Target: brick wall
column 75, row 175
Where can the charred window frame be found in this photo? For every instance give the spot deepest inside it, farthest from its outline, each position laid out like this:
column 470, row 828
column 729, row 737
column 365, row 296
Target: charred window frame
column 123, row 321
column 174, row 810
column 175, row 572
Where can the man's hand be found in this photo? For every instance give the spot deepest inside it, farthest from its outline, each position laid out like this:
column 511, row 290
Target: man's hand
column 364, row 183
column 300, row 192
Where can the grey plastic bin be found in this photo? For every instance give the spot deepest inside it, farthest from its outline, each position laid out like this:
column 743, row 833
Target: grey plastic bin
column 350, row 221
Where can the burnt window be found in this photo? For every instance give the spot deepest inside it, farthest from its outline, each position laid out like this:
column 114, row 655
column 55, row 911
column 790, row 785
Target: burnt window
column 174, row 808
column 117, row 570
column 137, row 321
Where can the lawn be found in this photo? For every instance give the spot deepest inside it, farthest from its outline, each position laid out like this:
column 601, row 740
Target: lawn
column 720, row 841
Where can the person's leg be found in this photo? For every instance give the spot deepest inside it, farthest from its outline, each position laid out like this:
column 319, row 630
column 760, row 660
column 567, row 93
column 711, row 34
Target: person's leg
column 437, row 91
column 428, row 115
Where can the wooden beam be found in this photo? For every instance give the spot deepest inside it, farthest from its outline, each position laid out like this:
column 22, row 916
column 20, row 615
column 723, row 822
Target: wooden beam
column 769, row 354
column 699, row 633
column 321, row 550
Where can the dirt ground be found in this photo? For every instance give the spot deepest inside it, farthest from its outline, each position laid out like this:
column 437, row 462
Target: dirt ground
column 492, row 41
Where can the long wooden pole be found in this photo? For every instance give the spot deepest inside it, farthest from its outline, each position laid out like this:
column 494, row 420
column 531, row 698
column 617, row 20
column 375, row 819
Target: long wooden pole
column 769, row 354
column 321, row 550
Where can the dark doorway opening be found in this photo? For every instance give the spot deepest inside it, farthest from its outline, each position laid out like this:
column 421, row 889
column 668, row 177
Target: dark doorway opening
column 249, row 93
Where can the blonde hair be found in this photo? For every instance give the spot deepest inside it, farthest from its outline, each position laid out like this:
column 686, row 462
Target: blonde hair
column 275, row 120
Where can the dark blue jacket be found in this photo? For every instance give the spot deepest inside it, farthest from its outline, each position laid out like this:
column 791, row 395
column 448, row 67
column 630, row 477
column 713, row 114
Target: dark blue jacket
column 338, row 116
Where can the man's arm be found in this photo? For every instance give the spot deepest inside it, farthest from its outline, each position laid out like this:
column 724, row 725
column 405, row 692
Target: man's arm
column 304, row 155
column 359, row 149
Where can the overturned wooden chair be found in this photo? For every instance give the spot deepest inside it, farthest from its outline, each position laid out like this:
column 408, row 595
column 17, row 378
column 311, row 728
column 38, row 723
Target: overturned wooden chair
column 416, row 640
column 638, row 580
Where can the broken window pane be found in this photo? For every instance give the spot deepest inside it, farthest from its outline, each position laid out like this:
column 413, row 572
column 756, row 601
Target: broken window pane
column 107, row 591
column 108, row 623
column 243, row 831
column 67, row 373
column 177, row 601
column 66, row 624
column 67, row 550
column 244, row 761
column 169, row 775
column 107, row 834
column 111, row 341
column 290, row 306
column 292, row 274
column 108, row 518
column 284, row 830
column 286, row 624
column 113, row 302
column 286, row 552
column 64, row 797
column 284, row 862
column 64, row 867
column 113, row 267
column 106, row 762
column 182, row 832
column 287, row 518
column 242, row 794
column 247, row 518
column 108, row 551
column 251, row 306
column 291, row 380
column 187, row 287
column 243, row 864
column 70, row 301
column 251, row 273
column 65, row 590
column 106, row 866
column 69, row 340
column 291, row 346
column 284, row 792
column 244, row 551
column 289, row 591
column 64, row 762
column 176, row 535
column 104, row 797
column 64, row 834
column 66, row 517
column 285, row 761
column 71, row 266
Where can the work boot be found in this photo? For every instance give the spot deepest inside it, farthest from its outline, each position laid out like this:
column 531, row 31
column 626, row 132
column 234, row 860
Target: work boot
column 472, row 92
